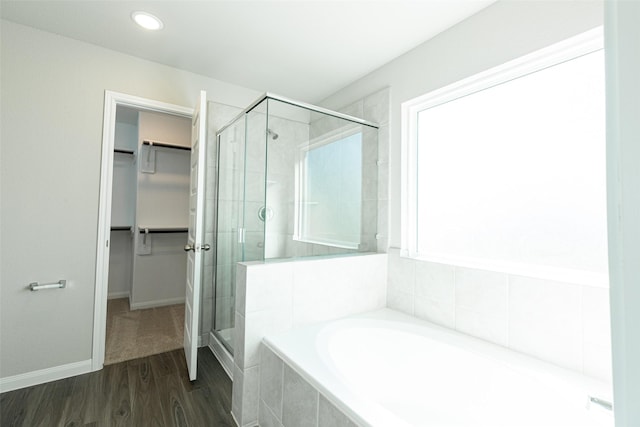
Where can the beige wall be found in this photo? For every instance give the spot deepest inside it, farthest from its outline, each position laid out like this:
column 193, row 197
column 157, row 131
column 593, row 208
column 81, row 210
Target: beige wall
column 51, row 111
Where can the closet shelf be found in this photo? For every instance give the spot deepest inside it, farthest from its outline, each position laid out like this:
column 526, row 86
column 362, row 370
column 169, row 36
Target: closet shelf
column 152, row 230
column 165, row 145
column 121, row 151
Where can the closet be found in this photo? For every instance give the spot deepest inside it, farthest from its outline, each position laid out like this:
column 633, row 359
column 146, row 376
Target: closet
column 149, row 221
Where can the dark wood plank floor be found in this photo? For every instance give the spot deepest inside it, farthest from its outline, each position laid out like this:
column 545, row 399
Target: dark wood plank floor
column 151, row 391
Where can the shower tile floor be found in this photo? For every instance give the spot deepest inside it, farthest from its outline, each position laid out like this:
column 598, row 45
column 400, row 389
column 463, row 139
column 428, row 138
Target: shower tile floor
column 141, row 333
column 227, row 336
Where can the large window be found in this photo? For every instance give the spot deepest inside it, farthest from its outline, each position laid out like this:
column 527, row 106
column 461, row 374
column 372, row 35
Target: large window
column 506, row 170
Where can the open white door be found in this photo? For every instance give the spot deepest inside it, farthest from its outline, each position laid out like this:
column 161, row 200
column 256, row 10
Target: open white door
column 194, row 245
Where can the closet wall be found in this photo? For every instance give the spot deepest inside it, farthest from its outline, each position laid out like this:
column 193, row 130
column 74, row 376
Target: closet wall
column 162, row 210
column 123, row 203
column 149, row 215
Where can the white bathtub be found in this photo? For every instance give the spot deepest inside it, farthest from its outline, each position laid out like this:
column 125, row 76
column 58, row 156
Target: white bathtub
column 388, row 369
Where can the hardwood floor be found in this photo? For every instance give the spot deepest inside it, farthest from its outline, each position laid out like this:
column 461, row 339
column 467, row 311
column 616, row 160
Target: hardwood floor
column 150, row 391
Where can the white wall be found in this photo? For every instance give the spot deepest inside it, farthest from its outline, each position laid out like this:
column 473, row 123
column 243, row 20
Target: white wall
column 52, row 110
column 622, row 48
column 499, row 33
column 123, row 205
column 160, row 266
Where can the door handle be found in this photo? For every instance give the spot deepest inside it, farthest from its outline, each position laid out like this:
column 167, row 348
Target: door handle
column 188, row 248
column 206, row 247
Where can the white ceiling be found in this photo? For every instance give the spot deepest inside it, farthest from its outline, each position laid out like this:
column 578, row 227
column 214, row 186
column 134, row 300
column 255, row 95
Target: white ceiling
column 300, row 49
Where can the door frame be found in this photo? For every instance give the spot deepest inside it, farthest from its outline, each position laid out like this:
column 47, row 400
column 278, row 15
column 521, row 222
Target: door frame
column 111, row 101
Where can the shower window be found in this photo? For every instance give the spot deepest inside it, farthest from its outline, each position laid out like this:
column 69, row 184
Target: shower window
column 506, row 170
column 329, row 189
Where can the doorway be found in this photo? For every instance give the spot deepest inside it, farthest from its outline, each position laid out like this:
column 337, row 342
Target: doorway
column 143, row 225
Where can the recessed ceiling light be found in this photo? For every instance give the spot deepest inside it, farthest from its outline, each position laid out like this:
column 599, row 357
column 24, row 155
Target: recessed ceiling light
column 147, row 20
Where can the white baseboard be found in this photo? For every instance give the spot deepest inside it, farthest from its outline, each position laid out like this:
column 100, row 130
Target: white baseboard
column 115, row 295
column 224, row 357
column 42, row 376
column 156, row 303
column 203, row 340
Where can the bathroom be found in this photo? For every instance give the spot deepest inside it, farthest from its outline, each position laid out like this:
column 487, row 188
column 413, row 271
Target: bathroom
column 569, row 327
column 287, row 301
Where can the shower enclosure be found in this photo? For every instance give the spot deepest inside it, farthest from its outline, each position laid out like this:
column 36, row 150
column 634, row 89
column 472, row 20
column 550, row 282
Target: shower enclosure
column 294, row 180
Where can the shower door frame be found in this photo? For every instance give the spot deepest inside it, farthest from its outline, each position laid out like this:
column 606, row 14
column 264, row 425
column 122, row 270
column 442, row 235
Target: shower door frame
column 310, row 107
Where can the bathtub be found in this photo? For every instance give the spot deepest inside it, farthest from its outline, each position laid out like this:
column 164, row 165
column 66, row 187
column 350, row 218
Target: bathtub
column 388, row 369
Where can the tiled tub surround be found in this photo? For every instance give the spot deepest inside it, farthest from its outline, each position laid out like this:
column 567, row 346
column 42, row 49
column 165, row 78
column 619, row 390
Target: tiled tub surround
column 562, row 323
column 274, row 297
column 338, row 373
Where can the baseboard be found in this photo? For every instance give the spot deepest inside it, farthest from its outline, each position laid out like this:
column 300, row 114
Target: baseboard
column 44, row 375
column 116, row 295
column 156, row 303
column 203, row 340
column 224, row 357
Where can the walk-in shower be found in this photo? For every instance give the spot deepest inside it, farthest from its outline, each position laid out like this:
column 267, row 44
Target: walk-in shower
column 293, row 180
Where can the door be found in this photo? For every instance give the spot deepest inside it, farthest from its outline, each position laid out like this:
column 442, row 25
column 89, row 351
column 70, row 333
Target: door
column 195, row 245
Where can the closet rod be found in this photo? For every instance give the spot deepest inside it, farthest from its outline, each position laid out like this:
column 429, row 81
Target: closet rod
column 163, row 230
column 166, row 145
column 119, row 150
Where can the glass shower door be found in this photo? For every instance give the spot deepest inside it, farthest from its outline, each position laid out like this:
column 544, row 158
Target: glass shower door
column 240, row 201
column 229, row 246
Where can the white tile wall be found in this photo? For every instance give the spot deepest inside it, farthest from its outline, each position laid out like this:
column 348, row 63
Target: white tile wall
column 435, row 293
column 266, row 417
column 330, row 416
column 597, row 332
column 546, row 320
column 271, row 381
column 275, row 289
column 300, row 401
column 277, row 296
column 482, row 304
column 288, row 400
column 561, row 323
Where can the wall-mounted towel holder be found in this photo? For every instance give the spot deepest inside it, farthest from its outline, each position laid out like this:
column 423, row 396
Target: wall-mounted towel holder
column 35, row 286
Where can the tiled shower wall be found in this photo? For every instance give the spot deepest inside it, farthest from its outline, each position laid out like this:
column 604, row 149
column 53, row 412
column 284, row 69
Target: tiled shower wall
column 375, row 205
column 562, row 323
column 280, row 178
column 280, row 181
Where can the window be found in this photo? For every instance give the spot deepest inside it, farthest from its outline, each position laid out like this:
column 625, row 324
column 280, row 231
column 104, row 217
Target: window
column 506, row 170
column 329, row 190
